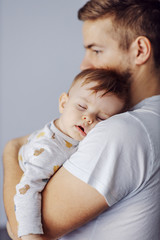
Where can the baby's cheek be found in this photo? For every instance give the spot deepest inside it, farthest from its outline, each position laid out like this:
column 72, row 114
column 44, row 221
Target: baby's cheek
column 94, row 124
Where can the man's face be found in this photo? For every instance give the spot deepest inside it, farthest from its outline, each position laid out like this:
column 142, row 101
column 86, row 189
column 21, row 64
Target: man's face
column 101, row 48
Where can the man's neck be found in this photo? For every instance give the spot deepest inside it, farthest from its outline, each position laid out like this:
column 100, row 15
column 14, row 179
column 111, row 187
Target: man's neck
column 144, row 86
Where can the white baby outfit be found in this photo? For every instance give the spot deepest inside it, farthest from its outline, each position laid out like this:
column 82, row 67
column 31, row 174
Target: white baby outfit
column 46, row 150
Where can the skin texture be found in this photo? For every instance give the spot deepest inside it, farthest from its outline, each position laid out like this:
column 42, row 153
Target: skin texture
column 64, row 190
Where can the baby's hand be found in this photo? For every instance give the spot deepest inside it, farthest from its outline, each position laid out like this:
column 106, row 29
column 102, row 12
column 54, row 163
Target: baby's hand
column 33, row 237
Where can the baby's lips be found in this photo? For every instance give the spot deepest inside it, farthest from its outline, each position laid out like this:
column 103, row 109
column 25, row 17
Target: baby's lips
column 81, row 129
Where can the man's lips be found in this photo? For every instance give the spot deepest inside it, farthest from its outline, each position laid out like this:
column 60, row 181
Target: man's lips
column 81, row 130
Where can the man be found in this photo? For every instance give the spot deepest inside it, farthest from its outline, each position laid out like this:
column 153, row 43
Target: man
column 111, row 185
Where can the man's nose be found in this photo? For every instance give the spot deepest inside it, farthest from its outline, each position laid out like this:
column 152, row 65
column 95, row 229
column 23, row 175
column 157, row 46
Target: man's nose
column 88, row 118
column 86, row 64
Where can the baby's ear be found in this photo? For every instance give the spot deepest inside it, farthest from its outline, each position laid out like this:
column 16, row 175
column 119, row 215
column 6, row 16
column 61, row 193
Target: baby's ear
column 63, row 99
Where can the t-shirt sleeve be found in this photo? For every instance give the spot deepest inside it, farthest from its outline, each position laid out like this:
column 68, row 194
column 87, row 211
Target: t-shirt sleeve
column 112, row 158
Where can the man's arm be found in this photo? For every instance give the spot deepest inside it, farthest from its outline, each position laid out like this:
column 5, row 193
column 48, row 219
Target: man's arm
column 67, row 201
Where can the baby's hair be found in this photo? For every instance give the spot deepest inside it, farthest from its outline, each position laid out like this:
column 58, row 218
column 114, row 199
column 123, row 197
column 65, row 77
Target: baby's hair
column 106, row 80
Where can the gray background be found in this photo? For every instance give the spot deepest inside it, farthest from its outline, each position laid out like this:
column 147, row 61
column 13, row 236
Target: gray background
column 40, row 53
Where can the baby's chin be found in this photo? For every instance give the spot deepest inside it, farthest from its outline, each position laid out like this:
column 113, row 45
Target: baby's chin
column 78, row 138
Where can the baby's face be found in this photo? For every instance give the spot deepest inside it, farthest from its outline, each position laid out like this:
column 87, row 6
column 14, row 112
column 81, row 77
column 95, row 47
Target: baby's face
column 82, row 109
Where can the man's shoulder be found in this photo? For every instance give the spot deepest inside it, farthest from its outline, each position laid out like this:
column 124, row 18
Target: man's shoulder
column 121, row 122
column 120, row 128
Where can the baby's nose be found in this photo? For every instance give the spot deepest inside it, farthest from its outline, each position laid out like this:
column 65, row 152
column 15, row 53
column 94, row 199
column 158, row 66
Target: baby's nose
column 87, row 119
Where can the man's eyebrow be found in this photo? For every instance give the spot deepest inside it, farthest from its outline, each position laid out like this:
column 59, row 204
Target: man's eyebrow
column 91, row 46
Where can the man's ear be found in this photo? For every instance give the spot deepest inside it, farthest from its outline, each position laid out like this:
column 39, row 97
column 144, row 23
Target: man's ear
column 63, row 99
column 143, row 50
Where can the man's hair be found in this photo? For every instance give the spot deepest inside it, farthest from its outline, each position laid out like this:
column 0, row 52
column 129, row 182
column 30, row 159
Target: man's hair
column 131, row 18
column 106, row 80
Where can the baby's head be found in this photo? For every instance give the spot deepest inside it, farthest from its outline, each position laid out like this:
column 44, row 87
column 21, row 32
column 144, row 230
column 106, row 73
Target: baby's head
column 94, row 96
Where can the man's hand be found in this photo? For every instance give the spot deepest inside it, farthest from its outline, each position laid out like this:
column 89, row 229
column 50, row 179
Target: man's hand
column 33, row 237
column 11, row 235
column 27, row 237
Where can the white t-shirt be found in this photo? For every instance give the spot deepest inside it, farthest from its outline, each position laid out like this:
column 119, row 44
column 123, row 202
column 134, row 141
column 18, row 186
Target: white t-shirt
column 122, row 155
